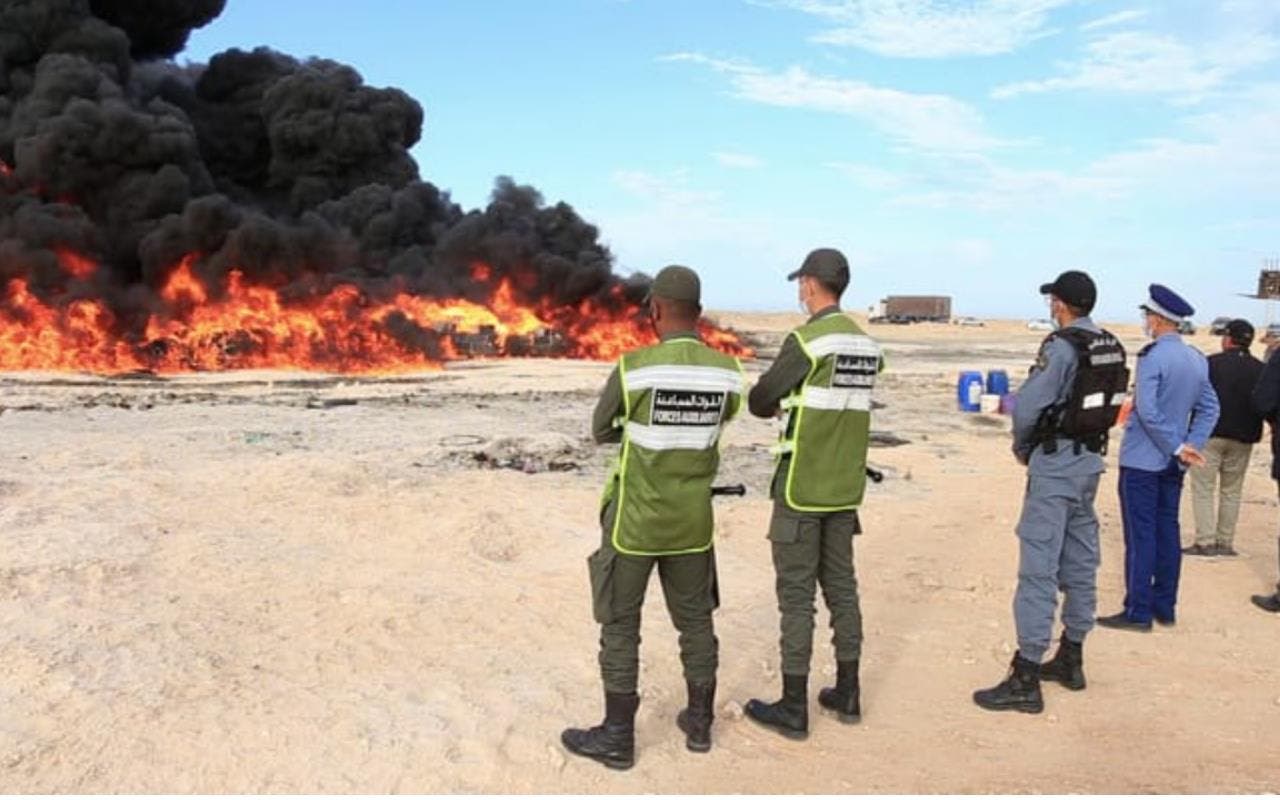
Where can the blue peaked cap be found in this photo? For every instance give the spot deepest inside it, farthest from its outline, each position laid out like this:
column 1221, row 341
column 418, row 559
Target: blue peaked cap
column 1167, row 303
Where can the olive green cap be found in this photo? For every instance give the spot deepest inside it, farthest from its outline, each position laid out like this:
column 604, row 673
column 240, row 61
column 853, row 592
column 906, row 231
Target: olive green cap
column 677, row 283
column 825, row 264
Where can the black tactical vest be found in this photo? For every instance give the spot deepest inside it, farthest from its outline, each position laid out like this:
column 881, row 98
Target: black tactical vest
column 1099, row 389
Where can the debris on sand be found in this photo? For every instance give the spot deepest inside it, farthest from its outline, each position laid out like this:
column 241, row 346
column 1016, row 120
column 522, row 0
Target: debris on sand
column 986, row 421
column 331, row 402
column 886, row 439
column 543, row 453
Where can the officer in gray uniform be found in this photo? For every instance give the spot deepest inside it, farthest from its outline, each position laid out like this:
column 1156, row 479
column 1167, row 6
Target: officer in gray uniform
column 1058, row 530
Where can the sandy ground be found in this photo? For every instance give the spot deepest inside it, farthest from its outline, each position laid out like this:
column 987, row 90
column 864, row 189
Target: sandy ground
column 288, row 583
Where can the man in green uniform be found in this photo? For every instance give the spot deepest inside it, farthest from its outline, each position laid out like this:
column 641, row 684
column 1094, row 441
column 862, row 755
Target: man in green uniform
column 822, row 379
column 666, row 405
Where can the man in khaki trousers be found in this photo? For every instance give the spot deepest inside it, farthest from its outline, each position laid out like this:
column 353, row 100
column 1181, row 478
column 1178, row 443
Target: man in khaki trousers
column 1234, row 373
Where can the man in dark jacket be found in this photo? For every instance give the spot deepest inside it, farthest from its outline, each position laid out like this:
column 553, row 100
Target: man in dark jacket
column 1266, row 400
column 1233, row 372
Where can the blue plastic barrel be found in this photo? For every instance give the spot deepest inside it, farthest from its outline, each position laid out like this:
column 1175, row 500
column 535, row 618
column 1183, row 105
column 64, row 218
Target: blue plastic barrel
column 969, row 391
column 997, row 382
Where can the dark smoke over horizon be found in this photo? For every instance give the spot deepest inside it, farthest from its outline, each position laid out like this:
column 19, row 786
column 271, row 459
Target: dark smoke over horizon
column 293, row 172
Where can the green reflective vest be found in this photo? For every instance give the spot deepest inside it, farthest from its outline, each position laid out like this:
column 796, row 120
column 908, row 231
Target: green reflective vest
column 677, row 395
column 824, row 445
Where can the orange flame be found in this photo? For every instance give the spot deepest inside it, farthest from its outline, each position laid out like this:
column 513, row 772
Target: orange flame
column 343, row 330
column 76, row 265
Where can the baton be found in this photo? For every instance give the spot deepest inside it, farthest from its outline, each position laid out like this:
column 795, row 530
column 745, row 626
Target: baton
column 737, row 489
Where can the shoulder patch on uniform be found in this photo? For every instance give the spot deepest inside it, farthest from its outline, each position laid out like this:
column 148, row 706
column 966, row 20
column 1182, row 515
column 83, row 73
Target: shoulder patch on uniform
column 1042, row 356
column 1146, row 350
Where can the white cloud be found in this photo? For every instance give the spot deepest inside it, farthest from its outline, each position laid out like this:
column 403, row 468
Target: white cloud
column 674, row 220
column 1146, row 62
column 933, row 122
column 737, row 160
column 1232, row 152
column 671, row 190
column 973, row 252
column 1111, row 20
column 1215, row 160
column 868, row 176
column 976, row 183
column 1247, row 225
column 930, row 28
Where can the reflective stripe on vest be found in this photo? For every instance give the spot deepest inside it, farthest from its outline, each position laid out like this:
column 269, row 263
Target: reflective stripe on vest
column 829, row 417
column 669, row 376
column 842, row 344
column 677, row 396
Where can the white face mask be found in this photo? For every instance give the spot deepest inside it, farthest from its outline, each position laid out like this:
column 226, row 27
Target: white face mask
column 1146, row 327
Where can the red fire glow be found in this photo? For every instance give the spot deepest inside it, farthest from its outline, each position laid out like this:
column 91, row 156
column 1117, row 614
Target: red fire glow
column 248, row 326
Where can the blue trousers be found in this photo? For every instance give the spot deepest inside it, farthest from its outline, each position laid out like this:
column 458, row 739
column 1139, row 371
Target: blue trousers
column 1152, row 540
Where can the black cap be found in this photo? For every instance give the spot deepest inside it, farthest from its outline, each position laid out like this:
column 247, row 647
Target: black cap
column 1240, row 332
column 1074, row 288
column 827, row 265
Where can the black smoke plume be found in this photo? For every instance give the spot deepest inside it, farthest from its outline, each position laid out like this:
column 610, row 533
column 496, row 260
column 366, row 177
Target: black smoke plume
column 294, row 172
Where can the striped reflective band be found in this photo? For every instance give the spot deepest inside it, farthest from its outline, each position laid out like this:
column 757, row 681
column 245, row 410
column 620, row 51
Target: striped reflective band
column 836, row 399
column 845, row 344
column 688, row 378
column 673, row 437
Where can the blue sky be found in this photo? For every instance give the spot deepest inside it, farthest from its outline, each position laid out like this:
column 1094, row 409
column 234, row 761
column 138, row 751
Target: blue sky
column 969, row 148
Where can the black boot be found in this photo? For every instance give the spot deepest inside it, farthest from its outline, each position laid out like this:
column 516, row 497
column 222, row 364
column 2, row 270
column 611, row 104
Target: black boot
column 1268, row 602
column 695, row 720
column 1067, row 665
column 843, row 697
column 613, row 742
column 790, row 715
column 1018, row 692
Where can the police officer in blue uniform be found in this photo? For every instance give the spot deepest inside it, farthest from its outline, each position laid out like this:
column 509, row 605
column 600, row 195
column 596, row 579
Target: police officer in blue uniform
column 1174, row 412
column 1060, row 423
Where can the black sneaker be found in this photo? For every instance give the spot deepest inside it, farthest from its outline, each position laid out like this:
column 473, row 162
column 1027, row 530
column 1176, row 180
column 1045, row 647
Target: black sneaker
column 1199, row 550
column 1122, row 622
column 1224, row 550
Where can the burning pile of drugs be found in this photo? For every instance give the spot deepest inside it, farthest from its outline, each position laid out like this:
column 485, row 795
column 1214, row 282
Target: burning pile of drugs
column 260, row 211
